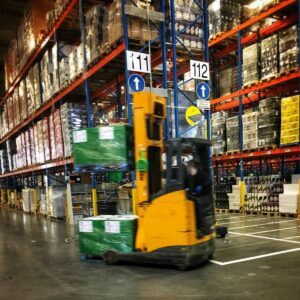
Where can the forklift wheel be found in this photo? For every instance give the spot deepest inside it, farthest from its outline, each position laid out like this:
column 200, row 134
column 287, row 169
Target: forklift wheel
column 110, row 257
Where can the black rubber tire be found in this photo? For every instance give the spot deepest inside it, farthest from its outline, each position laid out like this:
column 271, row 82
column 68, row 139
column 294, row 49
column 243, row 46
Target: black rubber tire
column 111, row 257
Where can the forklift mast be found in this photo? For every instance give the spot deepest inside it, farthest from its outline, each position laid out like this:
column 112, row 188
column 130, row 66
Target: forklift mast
column 149, row 115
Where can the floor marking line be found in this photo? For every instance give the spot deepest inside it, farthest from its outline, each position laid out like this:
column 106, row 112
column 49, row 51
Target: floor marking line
column 235, row 217
column 247, row 226
column 216, row 262
column 265, row 218
column 263, row 237
column 278, row 229
column 292, row 237
column 255, row 257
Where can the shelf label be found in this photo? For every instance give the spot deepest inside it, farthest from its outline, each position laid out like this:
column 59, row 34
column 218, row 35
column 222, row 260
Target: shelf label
column 203, row 104
column 199, row 70
column 112, row 226
column 79, row 136
column 86, row 226
column 138, row 62
column 106, row 133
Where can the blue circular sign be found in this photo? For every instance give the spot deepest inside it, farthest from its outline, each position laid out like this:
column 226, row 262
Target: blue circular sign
column 136, row 83
column 203, row 90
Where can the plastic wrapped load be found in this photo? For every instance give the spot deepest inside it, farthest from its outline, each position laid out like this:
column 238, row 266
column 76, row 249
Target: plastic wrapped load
column 102, row 233
column 232, row 133
column 218, row 132
column 223, row 16
column 250, row 131
column 250, row 64
column 290, row 120
column 269, row 56
column 57, row 201
column 28, row 199
column 288, row 48
column 108, row 147
column 269, row 122
column 288, row 201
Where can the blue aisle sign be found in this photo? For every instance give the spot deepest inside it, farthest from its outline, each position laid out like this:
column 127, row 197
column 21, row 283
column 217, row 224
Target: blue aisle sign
column 136, row 83
column 203, row 91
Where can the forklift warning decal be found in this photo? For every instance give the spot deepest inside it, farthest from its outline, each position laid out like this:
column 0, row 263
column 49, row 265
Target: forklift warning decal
column 193, row 115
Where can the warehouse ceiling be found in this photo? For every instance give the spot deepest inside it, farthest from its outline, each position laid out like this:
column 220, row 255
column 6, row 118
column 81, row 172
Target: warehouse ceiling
column 11, row 12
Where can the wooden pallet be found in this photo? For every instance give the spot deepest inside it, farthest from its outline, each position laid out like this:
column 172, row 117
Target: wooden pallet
column 252, row 212
column 233, row 152
column 270, row 147
column 290, row 71
column 234, row 211
column 270, row 213
column 249, row 150
column 270, row 5
column 221, row 211
column 286, row 215
column 250, row 84
column 215, row 36
column 269, row 78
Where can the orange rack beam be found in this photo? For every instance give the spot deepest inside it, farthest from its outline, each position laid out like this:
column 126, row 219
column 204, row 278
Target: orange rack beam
column 65, row 92
column 46, row 39
column 283, row 4
column 45, row 166
column 293, row 150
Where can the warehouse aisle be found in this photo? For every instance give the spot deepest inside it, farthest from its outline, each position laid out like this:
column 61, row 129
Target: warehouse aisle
column 39, row 259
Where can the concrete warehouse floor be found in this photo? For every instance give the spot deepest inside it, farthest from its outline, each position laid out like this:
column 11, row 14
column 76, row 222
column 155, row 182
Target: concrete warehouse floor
column 39, row 259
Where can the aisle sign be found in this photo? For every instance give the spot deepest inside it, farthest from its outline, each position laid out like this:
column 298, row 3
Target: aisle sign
column 136, row 83
column 203, row 90
column 193, row 115
column 199, row 70
column 138, row 62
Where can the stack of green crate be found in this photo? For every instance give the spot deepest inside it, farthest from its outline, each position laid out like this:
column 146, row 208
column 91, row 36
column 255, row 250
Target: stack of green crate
column 108, row 147
column 108, row 232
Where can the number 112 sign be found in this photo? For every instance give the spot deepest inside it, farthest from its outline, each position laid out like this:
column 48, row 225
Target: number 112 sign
column 138, row 62
column 199, row 70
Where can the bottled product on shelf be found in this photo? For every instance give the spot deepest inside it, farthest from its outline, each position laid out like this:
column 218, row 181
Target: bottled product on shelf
column 218, row 132
column 232, row 134
column 223, row 189
column 269, row 57
column 251, row 70
column 250, row 128
column 223, row 16
column 290, row 120
column 228, row 81
column 269, row 122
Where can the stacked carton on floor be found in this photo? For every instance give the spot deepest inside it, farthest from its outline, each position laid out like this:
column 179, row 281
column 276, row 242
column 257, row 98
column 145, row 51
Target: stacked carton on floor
column 288, row 201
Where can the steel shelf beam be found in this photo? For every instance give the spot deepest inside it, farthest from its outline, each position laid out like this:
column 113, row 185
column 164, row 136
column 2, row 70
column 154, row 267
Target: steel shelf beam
column 258, row 87
column 33, row 58
column 264, row 32
column 293, row 150
column 102, row 63
column 273, row 10
column 42, row 167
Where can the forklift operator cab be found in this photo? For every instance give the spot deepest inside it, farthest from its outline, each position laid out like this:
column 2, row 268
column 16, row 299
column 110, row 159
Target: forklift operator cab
column 175, row 221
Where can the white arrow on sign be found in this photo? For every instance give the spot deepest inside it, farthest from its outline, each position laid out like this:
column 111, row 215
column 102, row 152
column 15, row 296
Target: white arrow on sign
column 136, row 81
column 203, row 89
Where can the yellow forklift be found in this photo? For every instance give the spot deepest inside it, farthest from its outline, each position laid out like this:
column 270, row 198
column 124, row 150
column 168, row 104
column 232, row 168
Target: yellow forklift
column 175, row 209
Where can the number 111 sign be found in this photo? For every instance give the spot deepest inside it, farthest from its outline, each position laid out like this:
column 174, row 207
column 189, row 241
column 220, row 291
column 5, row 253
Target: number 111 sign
column 138, row 62
column 199, row 70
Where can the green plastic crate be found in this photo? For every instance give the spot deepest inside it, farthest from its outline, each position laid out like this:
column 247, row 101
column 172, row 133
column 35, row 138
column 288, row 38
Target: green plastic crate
column 109, row 147
column 108, row 232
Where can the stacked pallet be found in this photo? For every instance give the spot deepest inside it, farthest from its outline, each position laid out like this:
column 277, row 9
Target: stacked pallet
column 269, row 122
column 269, row 57
column 251, row 70
column 290, row 120
column 232, row 134
column 218, row 132
column 250, row 127
column 223, row 16
column 288, row 201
